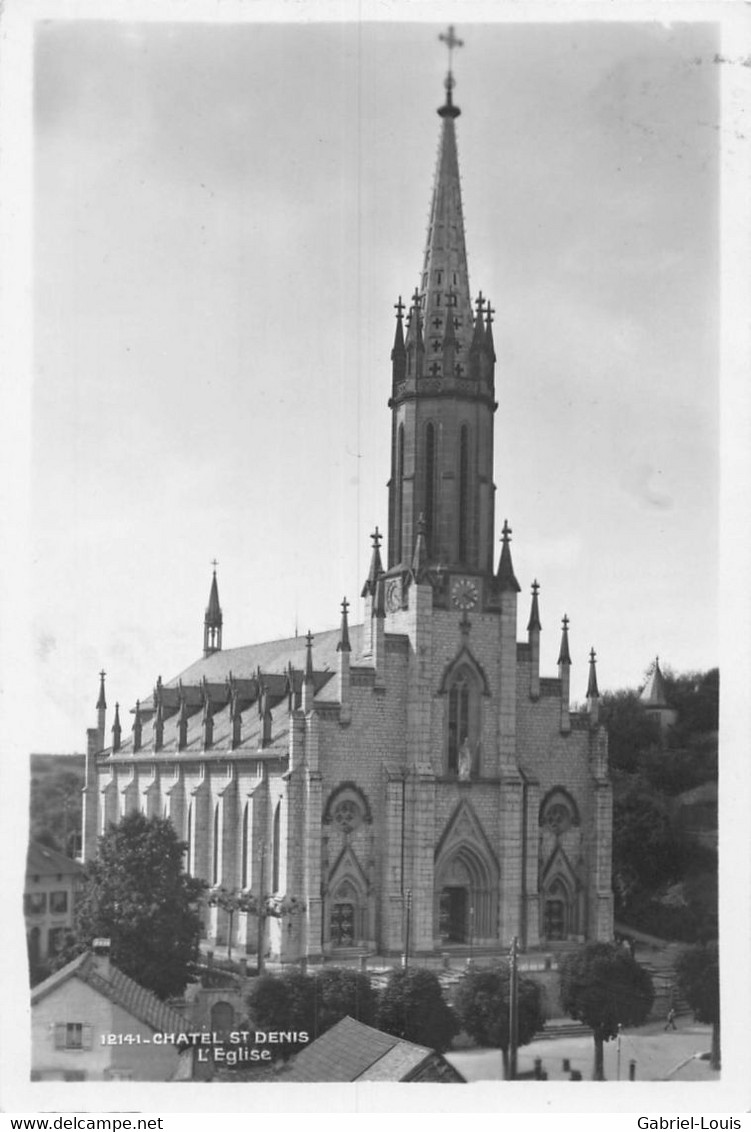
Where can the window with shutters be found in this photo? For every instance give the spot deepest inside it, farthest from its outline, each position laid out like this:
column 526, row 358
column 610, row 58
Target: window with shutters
column 73, row 1035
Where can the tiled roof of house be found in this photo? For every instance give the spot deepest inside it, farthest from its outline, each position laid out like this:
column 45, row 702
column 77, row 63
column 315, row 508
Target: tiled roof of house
column 352, row 1051
column 654, row 692
column 43, row 861
column 119, row 989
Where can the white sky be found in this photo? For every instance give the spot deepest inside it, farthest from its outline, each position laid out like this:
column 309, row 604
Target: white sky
column 224, row 217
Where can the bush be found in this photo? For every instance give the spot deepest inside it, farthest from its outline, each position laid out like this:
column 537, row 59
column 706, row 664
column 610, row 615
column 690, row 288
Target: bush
column 412, row 1006
column 284, row 1002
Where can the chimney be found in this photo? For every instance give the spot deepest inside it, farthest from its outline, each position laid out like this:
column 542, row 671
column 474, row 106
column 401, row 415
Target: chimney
column 100, row 949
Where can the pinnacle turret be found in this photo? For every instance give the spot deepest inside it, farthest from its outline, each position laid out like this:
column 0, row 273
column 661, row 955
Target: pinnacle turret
column 505, row 577
column 564, row 656
column 344, row 645
column 212, row 622
column 376, row 566
column 534, row 613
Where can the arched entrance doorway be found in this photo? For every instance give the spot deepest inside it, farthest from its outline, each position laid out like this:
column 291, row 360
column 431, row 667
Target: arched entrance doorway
column 466, row 898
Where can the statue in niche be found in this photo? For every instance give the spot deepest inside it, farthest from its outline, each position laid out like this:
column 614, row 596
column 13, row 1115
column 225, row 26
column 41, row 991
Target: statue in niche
column 464, row 767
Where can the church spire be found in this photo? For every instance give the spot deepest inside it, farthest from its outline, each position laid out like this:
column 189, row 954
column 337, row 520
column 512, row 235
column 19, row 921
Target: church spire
column 212, row 622
column 443, row 405
column 505, row 578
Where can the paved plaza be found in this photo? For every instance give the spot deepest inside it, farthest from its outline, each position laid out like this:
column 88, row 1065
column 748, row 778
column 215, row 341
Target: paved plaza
column 659, row 1056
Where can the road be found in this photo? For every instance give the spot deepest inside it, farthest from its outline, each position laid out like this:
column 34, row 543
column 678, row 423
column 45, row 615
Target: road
column 658, row 1055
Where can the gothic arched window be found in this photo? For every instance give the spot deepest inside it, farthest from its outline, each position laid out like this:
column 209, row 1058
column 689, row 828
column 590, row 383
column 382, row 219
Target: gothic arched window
column 463, row 723
column 189, row 839
column 215, row 848
column 463, row 493
column 399, row 490
column 429, row 483
column 275, row 849
column 244, row 849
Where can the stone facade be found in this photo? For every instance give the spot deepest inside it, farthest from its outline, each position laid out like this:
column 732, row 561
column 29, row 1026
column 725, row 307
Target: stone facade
column 412, row 778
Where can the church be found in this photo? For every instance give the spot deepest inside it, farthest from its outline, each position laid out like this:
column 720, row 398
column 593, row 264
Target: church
column 411, row 782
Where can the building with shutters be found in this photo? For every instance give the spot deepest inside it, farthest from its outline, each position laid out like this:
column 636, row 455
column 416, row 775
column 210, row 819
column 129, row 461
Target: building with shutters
column 413, row 779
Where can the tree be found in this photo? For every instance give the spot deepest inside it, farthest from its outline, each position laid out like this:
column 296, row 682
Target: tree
column 311, row 1003
column 646, row 852
column 605, row 988
column 284, row 1002
column 137, row 895
column 698, row 972
column 631, row 732
column 482, row 1003
column 340, row 991
column 412, row 1006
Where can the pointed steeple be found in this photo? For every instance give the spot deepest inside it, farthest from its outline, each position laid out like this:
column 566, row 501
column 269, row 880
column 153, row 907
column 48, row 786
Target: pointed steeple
column 489, row 345
column 505, row 577
column 308, row 687
column 101, row 704
column 478, row 339
column 414, row 344
column 212, row 622
column 534, row 613
column 533, row 640
column 344, row 645
column 116, row 730
column 592, row 689
column 564, row 675
column 654, row 693
column 445, row 277
column 376, row 566
column 398, row 352
column 137, row 727
column 593, row 694
column 564, row 656
column 182, row 718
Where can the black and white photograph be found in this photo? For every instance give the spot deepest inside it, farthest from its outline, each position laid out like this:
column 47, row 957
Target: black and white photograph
column 376, row 630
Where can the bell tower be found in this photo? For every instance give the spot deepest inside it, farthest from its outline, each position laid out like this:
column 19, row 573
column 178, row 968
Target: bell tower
column 443, row 393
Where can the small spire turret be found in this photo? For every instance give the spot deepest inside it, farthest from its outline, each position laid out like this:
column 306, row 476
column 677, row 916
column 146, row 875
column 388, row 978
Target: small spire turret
column 376, row 566
column 564, row 656
column 212, row 622
column 533, row 639
column 505, row 577
column 137, row 727
column 593, row 693
column 344, row 645
column 420, row 556
column 398, row 352
column 564, row 675
column 116, row 731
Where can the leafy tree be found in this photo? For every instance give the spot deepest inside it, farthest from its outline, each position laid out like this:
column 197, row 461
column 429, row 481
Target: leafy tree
column 631, row 732
column 646, row 851
column 698, row 971
column 137, row 895
column 696, row 698
column 311, row 1003
column 412, row 1006
column 602, row 986
column 340, row 991
column 284, row 1002
column 482, row 1002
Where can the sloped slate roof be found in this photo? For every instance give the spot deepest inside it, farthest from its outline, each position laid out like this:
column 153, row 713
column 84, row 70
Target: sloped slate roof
column 352, row 1051
column 654, row 692
column 43, row 861
column 271, row 656
column 119, row 989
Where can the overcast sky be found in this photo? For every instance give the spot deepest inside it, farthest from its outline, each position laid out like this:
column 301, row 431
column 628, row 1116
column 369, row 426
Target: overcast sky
column 225, row 215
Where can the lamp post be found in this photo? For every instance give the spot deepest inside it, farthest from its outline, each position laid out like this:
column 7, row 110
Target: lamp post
column 513, row 1024
column 405, row 957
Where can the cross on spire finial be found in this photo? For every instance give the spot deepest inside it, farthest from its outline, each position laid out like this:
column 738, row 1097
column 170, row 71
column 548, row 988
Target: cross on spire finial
column 399, row 308
column 376, row 537
column 416, row 298
column 535, row 588
column 491, row 312
column 507, row 532
column 451, row 40
column 565, row 622
column 480, row 303
column 214, row 563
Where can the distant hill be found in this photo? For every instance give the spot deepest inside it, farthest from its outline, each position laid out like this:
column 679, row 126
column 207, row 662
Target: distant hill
column 55, row 802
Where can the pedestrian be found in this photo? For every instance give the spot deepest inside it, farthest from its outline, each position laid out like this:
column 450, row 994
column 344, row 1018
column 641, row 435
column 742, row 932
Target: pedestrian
column 670, row 1023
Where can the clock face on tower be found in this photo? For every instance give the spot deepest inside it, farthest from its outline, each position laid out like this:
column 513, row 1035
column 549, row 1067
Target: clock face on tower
column 464, row 593
column 394, row 595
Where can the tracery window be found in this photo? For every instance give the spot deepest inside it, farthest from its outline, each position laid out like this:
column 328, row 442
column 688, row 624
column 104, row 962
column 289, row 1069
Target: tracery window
column 347, row 814
column 558, row 812
column 463, row 723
